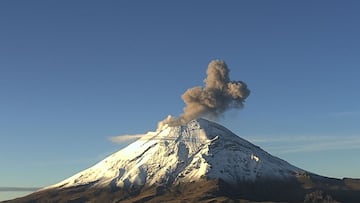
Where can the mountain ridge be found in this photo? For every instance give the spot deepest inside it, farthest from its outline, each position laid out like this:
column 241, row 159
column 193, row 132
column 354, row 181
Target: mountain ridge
column 184, row 154
column 205, row 156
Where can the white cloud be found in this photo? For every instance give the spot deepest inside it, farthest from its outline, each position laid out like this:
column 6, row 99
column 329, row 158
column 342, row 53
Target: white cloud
column 301, row 144
column 346, row 114
column 125, row 138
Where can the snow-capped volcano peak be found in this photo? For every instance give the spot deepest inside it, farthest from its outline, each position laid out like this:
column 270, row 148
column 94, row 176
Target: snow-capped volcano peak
column 199, row 149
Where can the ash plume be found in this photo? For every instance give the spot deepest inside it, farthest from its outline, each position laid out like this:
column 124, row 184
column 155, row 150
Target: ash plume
column 218, row 95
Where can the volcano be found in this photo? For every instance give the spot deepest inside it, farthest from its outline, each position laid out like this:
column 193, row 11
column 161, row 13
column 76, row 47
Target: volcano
column 200, row 161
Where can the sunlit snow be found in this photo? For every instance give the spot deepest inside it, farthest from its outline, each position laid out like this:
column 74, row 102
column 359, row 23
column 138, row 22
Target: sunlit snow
column 200, row 149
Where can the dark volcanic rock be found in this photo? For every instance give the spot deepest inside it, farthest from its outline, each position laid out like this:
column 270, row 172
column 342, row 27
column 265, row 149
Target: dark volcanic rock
column 210, row 191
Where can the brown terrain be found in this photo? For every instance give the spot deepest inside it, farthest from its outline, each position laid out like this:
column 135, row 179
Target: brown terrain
column 307, row 188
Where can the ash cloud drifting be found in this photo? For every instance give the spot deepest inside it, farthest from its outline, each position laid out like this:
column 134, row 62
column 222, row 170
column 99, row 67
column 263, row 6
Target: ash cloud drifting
column 218, row 95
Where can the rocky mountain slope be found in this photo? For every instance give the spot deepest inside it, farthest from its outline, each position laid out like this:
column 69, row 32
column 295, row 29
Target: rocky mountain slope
column 199, row 161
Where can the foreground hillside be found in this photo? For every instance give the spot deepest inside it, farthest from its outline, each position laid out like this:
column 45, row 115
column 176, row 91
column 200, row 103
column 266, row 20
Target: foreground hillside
column 306, row 188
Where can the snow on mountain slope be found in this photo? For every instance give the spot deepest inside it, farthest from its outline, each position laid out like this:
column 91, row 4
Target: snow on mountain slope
column 200, row 149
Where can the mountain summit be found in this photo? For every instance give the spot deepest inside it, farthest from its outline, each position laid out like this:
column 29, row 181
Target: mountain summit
column 198, row 161
column 199, row 149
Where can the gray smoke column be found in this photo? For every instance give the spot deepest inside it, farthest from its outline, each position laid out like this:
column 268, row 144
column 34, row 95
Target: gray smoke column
column 218, row 95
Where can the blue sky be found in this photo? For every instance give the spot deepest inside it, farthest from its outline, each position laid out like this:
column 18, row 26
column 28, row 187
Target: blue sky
column 74, row 73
